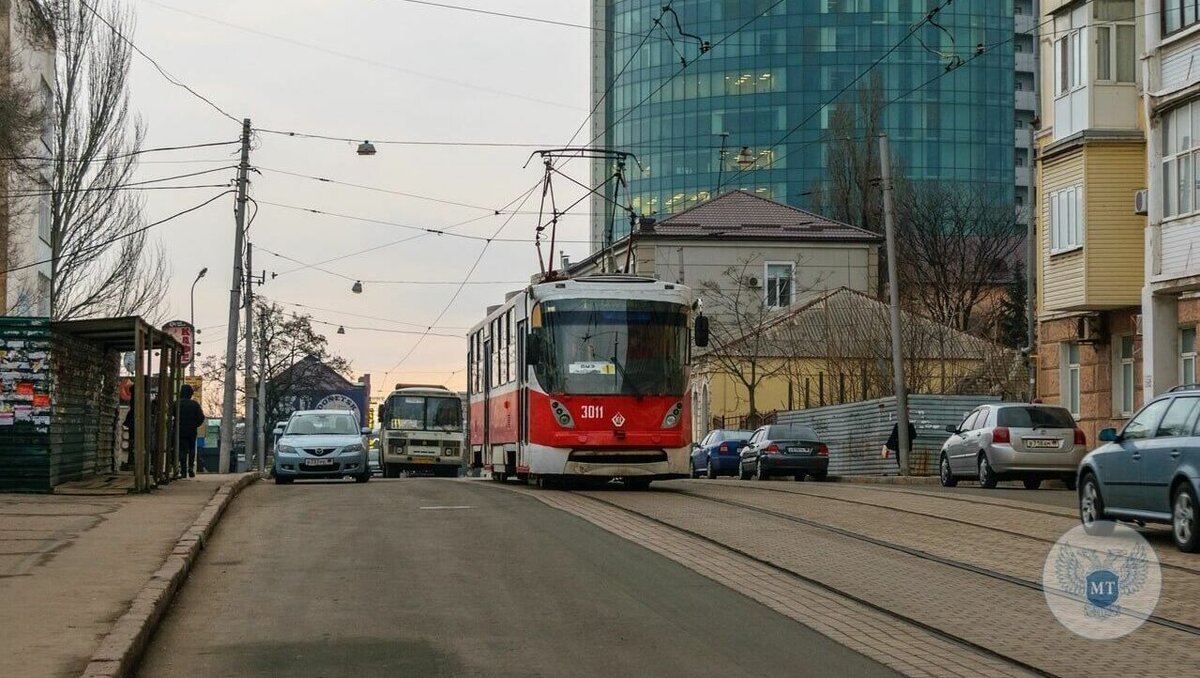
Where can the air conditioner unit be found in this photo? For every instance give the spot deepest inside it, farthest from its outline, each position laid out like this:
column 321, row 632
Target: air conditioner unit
column 1089, row 329
column 1141, row 202
column 1137, row 324
column 753, row 282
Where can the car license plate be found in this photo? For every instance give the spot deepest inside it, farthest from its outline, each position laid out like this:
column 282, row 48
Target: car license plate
column 318, row 462
column 799, row 450
column 422, row 460
column 1042, row 443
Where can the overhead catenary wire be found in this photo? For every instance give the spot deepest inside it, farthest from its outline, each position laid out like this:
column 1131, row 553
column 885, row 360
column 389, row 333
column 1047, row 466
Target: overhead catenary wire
column 131, row 154
column 169, row 78
column 362, row 316
column 123, row 236
column 372, row 62
column 127, row 186
column 506, row 15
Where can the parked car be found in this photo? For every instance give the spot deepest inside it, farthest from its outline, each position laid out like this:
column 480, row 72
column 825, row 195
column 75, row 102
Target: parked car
column 717, row 454
column 322, row 444
column 1148, row 472
column 1013, row 441
column 778, row 450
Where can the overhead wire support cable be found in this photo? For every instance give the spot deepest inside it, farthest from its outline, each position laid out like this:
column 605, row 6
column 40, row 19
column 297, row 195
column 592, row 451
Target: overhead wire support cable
column 123, row 236
column 506, row 15
column 169, row 78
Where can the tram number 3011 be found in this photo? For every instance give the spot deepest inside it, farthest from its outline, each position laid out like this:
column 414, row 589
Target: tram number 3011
column 592, row 412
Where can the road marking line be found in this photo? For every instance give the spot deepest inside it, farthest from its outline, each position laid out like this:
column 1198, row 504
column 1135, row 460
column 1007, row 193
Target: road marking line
column 445, row 508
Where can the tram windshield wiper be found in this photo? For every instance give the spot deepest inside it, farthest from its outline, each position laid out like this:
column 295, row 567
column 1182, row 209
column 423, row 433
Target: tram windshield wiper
column 625, row 375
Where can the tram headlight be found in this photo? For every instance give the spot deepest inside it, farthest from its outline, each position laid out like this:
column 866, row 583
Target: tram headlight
column 673, row 415
column 561, row 415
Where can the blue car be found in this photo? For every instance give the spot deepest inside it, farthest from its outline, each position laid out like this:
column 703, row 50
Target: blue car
column 717, row 454
column 1149, row 471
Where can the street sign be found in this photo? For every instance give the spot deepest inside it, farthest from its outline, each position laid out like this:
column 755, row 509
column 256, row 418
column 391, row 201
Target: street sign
column 185, row 334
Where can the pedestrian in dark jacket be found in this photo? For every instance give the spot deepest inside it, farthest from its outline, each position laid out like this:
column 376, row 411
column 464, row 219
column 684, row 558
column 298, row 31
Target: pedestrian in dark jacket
column 191, row 416
column 893, row 442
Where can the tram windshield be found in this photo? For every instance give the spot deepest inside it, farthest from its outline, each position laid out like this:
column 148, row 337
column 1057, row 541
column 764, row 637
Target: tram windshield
column 424, row 413
column 611, row 346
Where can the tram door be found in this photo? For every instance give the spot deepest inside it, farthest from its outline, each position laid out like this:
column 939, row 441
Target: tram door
column 488, row 366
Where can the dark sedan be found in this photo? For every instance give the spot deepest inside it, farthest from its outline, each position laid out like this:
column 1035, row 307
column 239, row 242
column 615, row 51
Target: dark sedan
column 717, row 454
column 779, row 450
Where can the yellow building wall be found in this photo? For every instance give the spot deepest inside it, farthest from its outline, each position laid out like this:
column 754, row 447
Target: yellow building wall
column 1113, row 235
column 730, row 399
column 1061, row 283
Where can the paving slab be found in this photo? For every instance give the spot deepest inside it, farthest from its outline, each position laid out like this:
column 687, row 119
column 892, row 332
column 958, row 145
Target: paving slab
column 73, row 565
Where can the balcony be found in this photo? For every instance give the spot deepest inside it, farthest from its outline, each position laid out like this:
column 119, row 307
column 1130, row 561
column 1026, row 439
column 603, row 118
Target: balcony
column 1024, row 100
column 1023, row 62
column 1025, row 23
column 1022, row 176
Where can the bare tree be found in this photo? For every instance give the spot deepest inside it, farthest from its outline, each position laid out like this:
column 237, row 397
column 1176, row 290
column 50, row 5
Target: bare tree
column 102, row 264
column 958, row 246
column 291, row 357
column 851, row 191
column 738, row 313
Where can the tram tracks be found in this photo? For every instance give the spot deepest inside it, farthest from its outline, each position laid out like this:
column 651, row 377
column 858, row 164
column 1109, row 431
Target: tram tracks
column 918, row 553
column 931, row 516
column 841, row 592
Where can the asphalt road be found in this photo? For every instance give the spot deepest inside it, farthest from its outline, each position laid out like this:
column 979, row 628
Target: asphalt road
column 423, row 577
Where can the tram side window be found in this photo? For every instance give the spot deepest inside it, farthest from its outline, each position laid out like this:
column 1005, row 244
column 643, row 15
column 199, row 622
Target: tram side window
column 509, row 353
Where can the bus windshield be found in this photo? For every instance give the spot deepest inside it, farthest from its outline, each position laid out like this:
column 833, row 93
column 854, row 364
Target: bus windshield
column 611, row 346
column 424, row 413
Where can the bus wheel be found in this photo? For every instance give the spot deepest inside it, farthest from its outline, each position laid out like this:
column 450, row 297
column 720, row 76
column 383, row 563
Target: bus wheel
column 637, row 483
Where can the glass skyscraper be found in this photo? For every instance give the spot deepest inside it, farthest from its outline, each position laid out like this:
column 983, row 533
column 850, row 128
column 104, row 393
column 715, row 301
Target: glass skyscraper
column 775, row 74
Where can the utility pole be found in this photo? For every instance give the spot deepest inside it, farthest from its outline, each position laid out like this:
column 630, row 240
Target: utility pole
column 235, row 298
column 889, row 227
column 1031, row 269
column 251, row 390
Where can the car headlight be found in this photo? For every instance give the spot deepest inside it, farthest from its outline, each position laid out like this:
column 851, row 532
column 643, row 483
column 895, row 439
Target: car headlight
column 353, row 449
column 285, row 449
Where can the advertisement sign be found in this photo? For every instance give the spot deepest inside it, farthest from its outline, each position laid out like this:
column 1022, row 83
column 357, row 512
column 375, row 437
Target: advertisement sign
column 185, row 334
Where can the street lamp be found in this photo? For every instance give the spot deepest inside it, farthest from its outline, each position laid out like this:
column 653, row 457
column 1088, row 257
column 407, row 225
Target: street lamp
column 745, row 158
column 192, row 317
column 357, row 287
column 366, row 148
column 341, row 330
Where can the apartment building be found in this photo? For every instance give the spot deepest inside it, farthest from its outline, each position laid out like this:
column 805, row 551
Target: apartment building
column 1171, row 104
column 1091, row 168
column 27, row 50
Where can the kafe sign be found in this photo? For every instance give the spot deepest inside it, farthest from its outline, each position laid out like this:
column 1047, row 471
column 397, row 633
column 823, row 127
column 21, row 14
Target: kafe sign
column 185, row 334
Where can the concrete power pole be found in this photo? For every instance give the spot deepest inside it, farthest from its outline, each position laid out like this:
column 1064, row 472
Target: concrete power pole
column 889, row 227
column 251, row 389
column 235, row 298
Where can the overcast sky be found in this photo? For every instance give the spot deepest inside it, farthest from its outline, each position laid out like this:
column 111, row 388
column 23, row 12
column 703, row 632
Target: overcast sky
column 371, row 69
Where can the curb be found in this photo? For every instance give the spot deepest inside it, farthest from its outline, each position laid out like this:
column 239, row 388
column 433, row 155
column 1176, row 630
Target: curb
column 122, row 647
column 886, row 480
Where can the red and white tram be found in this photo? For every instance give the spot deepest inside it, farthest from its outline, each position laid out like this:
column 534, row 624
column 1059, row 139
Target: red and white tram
column 585, row 379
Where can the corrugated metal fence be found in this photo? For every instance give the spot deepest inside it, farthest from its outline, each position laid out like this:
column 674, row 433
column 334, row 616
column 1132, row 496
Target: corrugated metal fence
column 855, row 432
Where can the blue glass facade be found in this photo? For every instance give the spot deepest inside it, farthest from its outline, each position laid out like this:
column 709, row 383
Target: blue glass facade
column 778, row 72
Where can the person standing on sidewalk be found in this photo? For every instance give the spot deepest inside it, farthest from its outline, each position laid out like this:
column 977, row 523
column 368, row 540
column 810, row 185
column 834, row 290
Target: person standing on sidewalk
column 892, row 447
column 191, row 416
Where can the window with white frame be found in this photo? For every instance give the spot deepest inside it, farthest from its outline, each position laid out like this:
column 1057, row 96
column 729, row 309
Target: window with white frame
column 43, row 217
column 779, row 284
column 1071, row 378
column 1180, row 151
column 43, row 292
column 1116, row 41
column 1066, row 219
column 1187, row 355
column 1125, row 373
column 1068, row 62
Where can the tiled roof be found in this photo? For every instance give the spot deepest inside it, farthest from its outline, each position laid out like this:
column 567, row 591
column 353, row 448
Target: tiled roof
column 743, row 215
column 848, row 324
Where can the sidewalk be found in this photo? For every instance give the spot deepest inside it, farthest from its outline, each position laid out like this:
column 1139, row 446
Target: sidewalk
column 71, row 565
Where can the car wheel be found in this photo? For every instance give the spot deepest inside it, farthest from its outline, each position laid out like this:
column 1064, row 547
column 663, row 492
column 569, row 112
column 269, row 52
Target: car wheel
column 1032, row 483
column 945, row 475
column 1183, row 519
column 363, row 478
column 760, row 472
column 987, row 477
column 819, row 476
column 710, row 471
column 1091, row 508
column 280, row 480
column 799, row 477
column 743, row 474
column 1070, row 483
column 637, row 484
